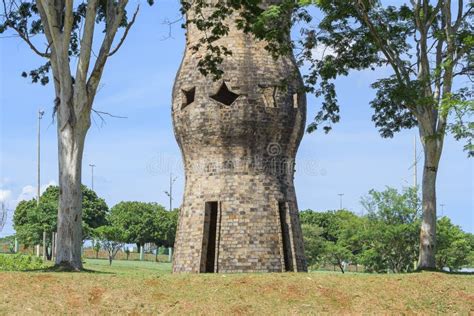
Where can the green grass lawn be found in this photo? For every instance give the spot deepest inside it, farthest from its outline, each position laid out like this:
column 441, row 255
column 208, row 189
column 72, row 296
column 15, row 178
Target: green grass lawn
column 133, row 287
column 123, row 267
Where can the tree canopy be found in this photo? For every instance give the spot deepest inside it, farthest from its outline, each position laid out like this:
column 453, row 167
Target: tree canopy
column 454, row 245
column 30, row 220
column 384, row 239
column 145, row 222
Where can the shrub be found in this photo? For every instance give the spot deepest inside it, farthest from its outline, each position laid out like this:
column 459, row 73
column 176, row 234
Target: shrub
column 20, row 262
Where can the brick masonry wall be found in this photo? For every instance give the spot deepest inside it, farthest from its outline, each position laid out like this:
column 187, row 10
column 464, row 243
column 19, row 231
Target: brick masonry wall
column 240, row 155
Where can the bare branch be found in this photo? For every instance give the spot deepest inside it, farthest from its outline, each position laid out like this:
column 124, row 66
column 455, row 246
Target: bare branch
column 382, row 44
column 434, row 13
column 49, row 18
column 108, row 114
column 459, row 18
column 24, row 36
column 68, row 21
column 86, row 43
column 101, row 114
column 26, row 39
column 49, row 37
column 115, row 13
column 129, row 26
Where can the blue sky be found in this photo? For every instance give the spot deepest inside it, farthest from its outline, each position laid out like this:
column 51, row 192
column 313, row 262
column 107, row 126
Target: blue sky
column 135, row 155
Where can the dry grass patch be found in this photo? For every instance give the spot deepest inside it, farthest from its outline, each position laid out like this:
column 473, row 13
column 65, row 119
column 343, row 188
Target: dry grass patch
column 139, row 288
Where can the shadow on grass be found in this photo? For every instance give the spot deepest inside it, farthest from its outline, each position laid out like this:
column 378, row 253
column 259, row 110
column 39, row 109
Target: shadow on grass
column 443, row 271
column 456, row 272
column 61, row 269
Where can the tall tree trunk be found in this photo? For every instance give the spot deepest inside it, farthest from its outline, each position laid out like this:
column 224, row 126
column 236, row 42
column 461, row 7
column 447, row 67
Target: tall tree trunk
column 71, row 137
column 426, row 259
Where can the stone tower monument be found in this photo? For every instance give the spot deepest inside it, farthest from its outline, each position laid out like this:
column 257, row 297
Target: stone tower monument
column 239, row 138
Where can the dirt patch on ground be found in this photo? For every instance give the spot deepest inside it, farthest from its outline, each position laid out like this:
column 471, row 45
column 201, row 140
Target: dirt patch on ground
column 43, row 278
column 95, row 295
column 294, row 292
column 468, row 297
column 74, row 301
column 153, row 283
column 240, row 309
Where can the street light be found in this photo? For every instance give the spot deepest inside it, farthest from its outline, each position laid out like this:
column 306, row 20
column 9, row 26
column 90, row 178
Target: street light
column 38, row 192
column 170, row 192
column 40, row 116
column 92, row 171
column 340, row 200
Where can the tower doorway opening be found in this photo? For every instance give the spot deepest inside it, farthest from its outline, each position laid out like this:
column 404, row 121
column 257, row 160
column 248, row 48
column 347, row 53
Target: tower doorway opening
column 285, row 238
column 210, row 236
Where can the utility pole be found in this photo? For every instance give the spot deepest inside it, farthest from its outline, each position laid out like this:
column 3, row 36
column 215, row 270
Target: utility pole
column 40, row 116
column 415, row 171
column 92, row 169
column 340, row 200
column 415, row 165
column 38, row 193
column 442, row 209
column 170, row 192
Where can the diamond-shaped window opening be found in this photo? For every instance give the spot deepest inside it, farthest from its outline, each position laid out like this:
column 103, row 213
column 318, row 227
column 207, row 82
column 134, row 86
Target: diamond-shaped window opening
column 224, row 95
column 188, row 97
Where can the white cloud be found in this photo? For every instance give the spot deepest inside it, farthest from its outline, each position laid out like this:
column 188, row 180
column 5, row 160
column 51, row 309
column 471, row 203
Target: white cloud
column 5, row 195
column 45, row 186
column 4, row 181
column 321, row 51
column 27, row 193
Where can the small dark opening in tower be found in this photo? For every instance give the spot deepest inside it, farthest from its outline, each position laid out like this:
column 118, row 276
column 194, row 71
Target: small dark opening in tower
column 224, row 95
column 188, row 97
column 285, row 231
column 209, row 240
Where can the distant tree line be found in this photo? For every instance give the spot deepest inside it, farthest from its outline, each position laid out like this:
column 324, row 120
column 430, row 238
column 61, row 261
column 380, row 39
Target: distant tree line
column 384, row 239
column 126, row 222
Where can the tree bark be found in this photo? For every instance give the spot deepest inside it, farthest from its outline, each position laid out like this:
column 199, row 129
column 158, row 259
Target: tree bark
column 426, row 259
column 71, row 137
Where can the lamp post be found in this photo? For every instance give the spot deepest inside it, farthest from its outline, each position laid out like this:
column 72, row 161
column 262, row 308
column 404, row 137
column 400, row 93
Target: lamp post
column 92, row 171
column 38, row 192
column 40, row 116
column 340, row 200
column 170, row 192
